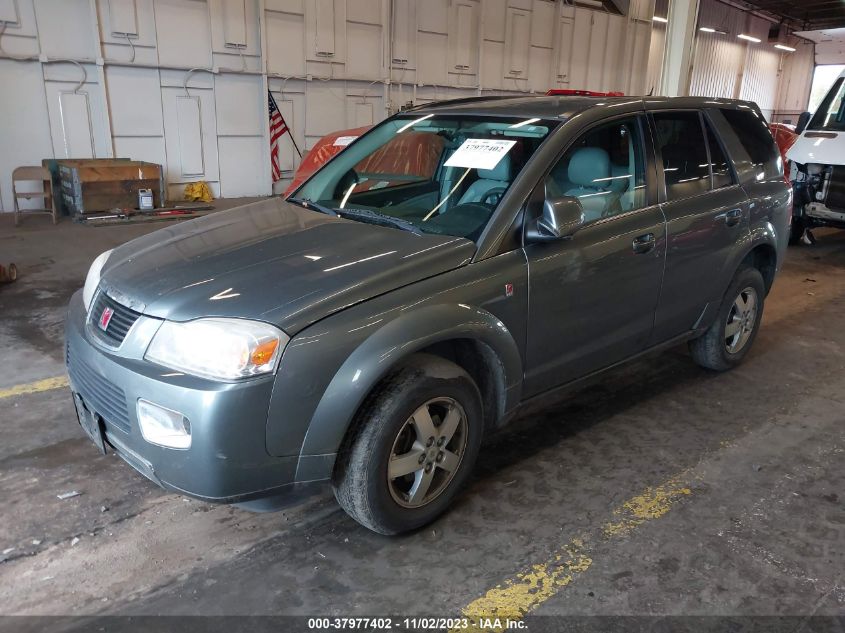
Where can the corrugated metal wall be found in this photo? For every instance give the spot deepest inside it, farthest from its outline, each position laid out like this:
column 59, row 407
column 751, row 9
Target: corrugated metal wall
column 760, row 70
column 795, row 81
column 729, row 67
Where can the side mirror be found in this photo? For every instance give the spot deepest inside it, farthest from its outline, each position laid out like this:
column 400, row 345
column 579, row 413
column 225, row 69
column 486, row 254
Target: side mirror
column 561, row 218
column 803, row 120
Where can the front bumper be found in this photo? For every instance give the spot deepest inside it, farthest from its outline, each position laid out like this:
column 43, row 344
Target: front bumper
column 228, row 460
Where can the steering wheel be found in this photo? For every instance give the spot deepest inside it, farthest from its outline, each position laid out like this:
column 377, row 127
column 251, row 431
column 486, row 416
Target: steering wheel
column 348, row 179
column 493, row 196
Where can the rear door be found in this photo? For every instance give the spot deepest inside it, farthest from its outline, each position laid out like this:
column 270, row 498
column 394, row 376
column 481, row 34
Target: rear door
column 706, row 214
column 592, row 297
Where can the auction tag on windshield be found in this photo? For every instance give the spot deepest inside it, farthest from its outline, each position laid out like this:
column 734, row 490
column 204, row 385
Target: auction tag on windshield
column 343, row 141
column 480, row 153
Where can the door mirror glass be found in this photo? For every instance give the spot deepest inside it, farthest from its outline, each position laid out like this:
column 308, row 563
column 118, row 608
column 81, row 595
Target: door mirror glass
column 561, row 218
column 803, row 120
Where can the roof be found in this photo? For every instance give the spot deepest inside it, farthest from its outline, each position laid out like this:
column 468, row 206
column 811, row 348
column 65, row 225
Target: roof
column 563, row 107
column 812, row 14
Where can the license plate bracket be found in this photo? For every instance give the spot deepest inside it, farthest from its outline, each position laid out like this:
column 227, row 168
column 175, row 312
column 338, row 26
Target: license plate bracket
column 91, row 423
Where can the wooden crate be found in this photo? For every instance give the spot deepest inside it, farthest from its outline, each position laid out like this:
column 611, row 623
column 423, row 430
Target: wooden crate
column 104, row 187
column 52, row 164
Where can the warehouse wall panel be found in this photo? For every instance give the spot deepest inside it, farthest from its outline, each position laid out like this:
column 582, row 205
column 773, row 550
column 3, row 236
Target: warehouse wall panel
column 190, row 134
column 364, row 54
column 285, row 43
column 242, row 171
column 26, row 107
column 64, row 28
column 183, row 33
column 70, row 120
column 150, row 149
column 184, row 80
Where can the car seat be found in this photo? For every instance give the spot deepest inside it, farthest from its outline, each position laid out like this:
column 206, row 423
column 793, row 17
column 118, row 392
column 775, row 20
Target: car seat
column 490, row 182
column 590, row 173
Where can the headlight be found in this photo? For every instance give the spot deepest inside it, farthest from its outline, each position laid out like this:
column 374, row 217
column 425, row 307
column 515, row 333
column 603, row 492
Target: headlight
column 93, row 278
column 218, row 348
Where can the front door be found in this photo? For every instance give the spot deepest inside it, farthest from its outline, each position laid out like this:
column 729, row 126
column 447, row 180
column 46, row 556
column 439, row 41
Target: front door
column 592, row 297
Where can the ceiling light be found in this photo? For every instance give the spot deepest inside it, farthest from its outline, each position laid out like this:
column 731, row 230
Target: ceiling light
column 707, row 29
column 784, row 47
column 750, row 38
column 658, row 18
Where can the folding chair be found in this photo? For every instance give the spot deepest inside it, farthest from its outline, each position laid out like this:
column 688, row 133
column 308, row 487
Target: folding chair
column 23, row 174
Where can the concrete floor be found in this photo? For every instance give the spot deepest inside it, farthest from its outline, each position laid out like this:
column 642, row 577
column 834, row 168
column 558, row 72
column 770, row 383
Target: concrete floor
column 663, row 489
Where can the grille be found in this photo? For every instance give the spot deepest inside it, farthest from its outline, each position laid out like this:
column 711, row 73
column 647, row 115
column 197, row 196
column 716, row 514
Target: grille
column 836, row 193
column 98, row 393
column 121, row 320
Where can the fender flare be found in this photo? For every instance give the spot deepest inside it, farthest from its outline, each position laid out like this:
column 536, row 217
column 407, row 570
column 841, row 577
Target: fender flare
column 399, row 338
column 761, row 234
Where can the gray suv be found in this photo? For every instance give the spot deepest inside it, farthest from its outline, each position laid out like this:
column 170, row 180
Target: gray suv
column 453, row 263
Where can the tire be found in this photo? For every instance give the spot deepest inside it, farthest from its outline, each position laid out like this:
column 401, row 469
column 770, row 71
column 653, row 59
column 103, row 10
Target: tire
column 386, row 434
column 718, row 348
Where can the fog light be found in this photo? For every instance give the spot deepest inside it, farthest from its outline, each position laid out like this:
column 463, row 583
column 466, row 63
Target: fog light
column 163, row 426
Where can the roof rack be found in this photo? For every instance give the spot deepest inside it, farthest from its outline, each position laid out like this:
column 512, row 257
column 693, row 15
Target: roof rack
column 460, row 101
column 568, row 92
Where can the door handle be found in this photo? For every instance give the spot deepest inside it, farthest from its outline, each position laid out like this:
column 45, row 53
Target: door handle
column 731, row 217
column 643, row 243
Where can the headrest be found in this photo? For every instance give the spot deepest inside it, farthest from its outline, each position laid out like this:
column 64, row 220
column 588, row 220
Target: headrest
column 588, row 166
column 502, row 171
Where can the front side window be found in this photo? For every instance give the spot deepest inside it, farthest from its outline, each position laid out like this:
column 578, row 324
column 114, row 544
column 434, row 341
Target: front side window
column 831, row 112
column 680, row 140
column 440, row 174
column 604, row 169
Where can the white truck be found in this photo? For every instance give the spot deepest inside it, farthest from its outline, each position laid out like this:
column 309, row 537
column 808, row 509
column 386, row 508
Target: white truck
column 817, row 165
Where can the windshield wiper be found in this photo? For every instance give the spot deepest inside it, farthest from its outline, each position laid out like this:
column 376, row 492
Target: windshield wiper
column 314, row 206
column 379, row 218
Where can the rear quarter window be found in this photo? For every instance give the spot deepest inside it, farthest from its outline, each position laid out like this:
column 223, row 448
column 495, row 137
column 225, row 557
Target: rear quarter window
column 754, row 136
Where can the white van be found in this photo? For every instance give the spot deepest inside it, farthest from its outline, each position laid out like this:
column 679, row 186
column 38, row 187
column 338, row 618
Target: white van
column 817, row 165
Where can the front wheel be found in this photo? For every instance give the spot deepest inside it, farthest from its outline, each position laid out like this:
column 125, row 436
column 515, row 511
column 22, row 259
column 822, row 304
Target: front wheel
column 728, row 339
column 411, row 447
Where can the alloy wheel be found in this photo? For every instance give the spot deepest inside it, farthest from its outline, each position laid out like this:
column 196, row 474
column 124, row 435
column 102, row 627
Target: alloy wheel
column 427, row 452
column 741, row 320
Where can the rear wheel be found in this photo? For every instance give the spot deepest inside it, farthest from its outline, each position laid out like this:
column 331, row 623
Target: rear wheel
column 728, row 339
column 411, row 448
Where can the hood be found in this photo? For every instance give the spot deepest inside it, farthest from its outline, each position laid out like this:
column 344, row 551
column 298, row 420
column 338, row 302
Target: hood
column 272, row 261
column 825, row 148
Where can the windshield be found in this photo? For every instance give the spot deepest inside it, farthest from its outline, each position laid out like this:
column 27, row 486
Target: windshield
column 831, row 112
column 440, row 174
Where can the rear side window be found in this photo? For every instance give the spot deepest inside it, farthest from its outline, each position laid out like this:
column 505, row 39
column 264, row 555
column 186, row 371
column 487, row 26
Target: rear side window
column 680, row 139
column 754, row 135
column 722, row 174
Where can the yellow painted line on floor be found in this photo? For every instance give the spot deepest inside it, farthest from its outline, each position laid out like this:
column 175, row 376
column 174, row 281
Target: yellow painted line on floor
column 47, row 384
column 517, row 596
column 652, row 503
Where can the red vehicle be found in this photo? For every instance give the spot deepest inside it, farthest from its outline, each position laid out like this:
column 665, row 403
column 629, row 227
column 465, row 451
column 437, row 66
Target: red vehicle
column 785, row 137
column 421, row 148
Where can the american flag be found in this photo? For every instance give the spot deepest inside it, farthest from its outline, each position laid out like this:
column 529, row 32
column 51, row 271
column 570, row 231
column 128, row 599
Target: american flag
column 278, row 127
